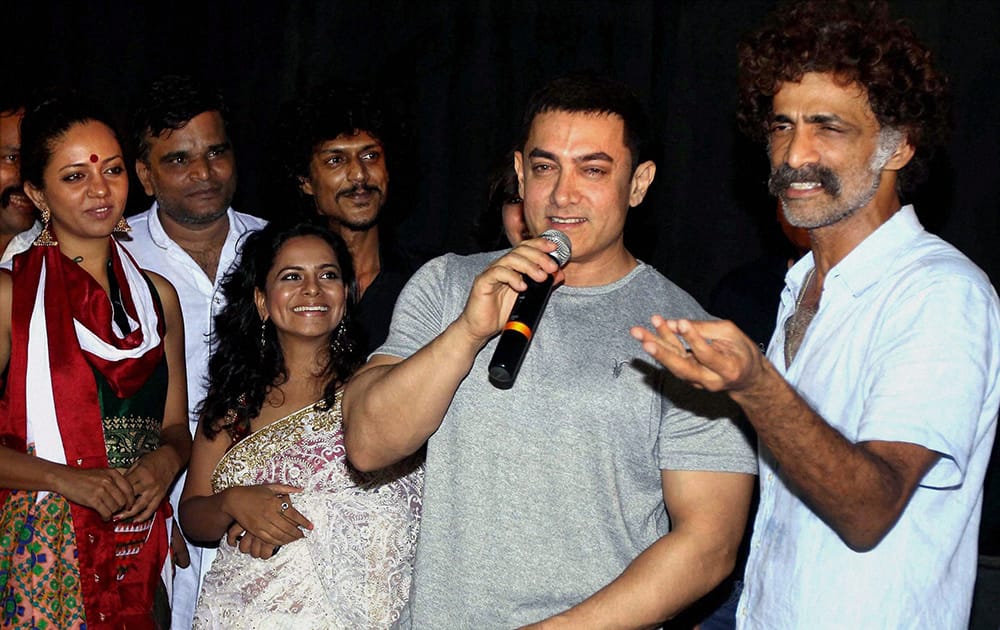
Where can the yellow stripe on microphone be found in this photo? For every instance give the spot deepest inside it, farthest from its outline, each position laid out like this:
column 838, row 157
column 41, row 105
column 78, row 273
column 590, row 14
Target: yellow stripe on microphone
column 518, row 327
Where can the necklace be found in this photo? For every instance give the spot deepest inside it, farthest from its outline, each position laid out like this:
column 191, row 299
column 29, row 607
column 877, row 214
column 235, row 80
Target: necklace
column 798, row 322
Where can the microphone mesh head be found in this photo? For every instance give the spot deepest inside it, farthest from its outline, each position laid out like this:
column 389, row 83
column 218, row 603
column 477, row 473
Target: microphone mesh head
column 563, row 249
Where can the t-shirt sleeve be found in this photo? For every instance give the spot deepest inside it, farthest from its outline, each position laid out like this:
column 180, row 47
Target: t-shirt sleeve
column 702, row 430
column 418, row 316
column 932, row 368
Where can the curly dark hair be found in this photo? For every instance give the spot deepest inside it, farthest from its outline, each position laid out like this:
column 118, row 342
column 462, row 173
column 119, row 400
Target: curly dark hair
column 333, row 109
column 168, row 103
column 240, row 371
column 45, row 123
column 859, row 43
column 594, row 94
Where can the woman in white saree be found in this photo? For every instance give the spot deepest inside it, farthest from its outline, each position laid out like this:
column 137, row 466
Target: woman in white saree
column 308, row 542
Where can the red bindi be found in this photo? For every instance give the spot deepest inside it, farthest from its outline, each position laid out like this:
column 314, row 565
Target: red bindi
column 93, row 158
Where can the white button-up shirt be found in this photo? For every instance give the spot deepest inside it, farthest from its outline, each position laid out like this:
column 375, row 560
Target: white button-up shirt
column 21, row 242
column 905, row 347
column 201, row 299
column 200, row 296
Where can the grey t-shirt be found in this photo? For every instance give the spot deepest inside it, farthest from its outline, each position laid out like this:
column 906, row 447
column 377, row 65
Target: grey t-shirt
column 538, row 496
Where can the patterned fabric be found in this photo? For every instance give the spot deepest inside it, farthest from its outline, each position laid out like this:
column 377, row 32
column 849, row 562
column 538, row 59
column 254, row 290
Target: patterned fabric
column 38, row 570
column 40, row 581
column 352, row 570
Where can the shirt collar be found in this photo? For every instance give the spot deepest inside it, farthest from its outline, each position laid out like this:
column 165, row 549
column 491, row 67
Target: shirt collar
column 867, row 264
column 159, row 235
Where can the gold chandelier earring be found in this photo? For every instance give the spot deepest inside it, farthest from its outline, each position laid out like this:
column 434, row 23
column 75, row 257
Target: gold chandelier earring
column 45, row 238
column 122, row 227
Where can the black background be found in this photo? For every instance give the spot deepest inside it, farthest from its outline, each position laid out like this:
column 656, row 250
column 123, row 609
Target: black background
column 461, row 73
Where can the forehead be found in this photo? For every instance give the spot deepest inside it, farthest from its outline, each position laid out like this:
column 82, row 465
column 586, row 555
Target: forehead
column 577, row 133
column 348, row 143
column 207, row 128
column 10, row 128
column 86, row 138
column 304, row 250
column 821, row 94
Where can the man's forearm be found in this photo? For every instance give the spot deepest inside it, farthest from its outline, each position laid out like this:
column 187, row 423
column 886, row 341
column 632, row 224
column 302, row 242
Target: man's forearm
column 858, row 489
column 390, row 409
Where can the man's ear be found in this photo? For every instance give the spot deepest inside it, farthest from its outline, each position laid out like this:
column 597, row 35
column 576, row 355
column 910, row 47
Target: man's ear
column 901, row 156
column 519, row 169
column 641, row 180
column 305, row 185
column 145, row 176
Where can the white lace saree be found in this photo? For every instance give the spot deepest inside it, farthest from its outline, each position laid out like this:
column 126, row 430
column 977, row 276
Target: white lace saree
column 352, row 570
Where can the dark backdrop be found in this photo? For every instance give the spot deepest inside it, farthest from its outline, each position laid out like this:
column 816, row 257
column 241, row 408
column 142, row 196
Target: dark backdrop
column 461, row 72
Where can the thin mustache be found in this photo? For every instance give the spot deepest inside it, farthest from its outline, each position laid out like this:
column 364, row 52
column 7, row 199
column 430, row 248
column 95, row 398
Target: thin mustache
column 368, row 188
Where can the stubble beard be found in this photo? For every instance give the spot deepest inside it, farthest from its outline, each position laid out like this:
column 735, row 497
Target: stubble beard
column 359, row 225
column 183, row 217
column 841, row 204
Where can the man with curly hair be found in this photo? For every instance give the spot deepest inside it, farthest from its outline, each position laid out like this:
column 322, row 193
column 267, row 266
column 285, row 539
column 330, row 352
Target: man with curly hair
column 876, row 405
column 336, row 155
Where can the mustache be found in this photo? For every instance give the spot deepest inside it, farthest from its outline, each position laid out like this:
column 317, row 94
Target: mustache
column 784, row 176
column 359, row 188
column 9, row 192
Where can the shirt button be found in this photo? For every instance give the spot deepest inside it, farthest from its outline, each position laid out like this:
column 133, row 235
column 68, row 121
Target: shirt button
column 97, row 578
column 102, row 616
column 91, row 538
column 770, row 476
column 217, row 300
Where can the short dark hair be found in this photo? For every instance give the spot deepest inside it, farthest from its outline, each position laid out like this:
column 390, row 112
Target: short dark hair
column 592, row 94
column 47, row 121
column 168, row 103
column 12, row 101
column 333, row 109
column 858, row 42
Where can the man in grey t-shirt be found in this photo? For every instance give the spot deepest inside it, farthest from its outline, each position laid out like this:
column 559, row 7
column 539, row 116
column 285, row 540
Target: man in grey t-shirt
column 598, row 490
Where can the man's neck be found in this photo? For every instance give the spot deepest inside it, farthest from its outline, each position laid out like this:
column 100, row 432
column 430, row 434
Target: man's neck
column 833, row 243
column 609, row 267
column 203, row 242
column 364, row 248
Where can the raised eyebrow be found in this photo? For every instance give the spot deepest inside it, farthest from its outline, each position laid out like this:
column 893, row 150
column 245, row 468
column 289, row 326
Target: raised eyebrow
column 329, row 265
column 221, row 146
column 599, row 156
column 344, row 150
column 543, row 154
column 824, row 119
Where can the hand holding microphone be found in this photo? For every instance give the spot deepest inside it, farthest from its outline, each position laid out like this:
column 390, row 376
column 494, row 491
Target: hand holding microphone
column 524, row 317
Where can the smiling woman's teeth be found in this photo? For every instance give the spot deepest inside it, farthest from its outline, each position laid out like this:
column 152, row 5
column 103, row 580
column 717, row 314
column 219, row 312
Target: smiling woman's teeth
column 300, row 309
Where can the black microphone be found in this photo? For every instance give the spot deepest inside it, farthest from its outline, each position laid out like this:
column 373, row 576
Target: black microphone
column 523, row 320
